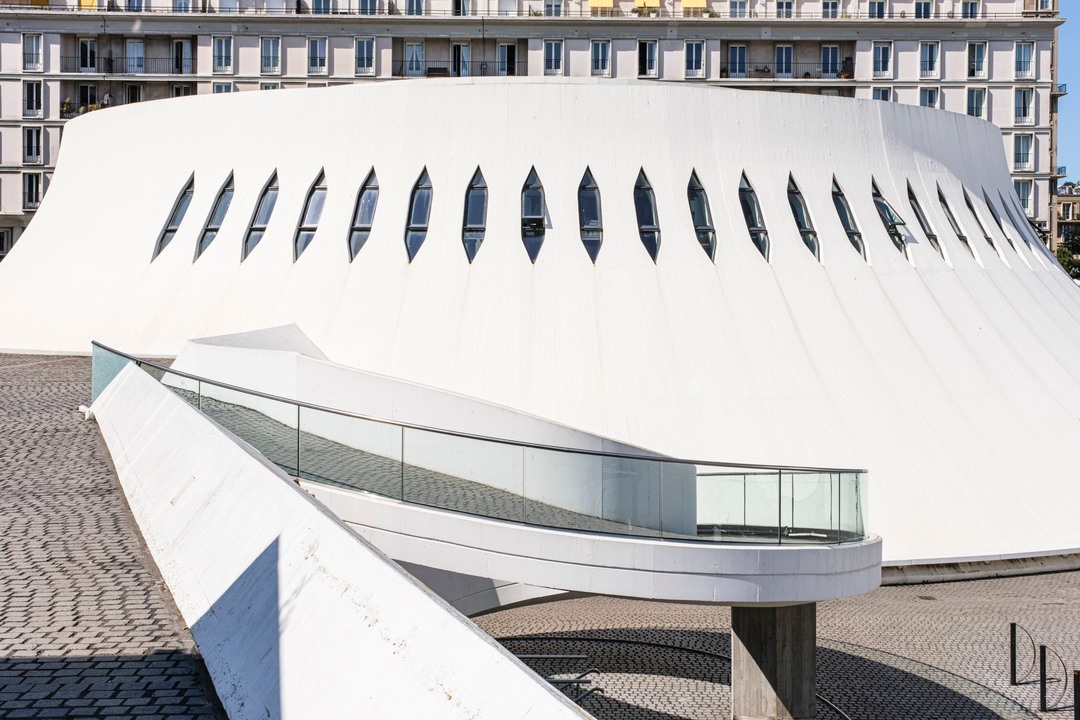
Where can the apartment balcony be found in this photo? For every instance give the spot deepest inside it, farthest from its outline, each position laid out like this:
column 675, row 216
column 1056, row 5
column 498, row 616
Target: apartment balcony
column 128, row 65
column 789, row 71
column 1061, row 171
column 1059, row 90
column 458, row 68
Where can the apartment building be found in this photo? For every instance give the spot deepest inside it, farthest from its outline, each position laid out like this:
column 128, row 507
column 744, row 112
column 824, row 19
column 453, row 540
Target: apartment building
column 994, row 59
column 1067, row 211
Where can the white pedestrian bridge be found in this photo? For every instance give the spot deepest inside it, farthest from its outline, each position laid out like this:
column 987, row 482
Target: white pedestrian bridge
column 490, row 519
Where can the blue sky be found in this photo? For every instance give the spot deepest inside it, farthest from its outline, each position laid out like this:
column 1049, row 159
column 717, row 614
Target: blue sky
column 1069, row 106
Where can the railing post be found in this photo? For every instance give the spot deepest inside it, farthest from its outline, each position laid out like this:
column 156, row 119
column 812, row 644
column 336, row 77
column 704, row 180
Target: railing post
column 1076, row 694
column 1042, row 678
column 1012, row 653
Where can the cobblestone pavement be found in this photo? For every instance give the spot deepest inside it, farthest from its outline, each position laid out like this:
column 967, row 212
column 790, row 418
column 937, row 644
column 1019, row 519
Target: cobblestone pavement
column 924, row 652
column 87, row 629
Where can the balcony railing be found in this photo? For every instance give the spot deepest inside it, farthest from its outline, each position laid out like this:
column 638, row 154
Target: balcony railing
column 928, row 69
column 531, row 8
column 32, row 62
column 789, row 71
column 31, row 201
column 461, row 68
column 1023, row 117
column 1062, row 171
column 1061, row 90
column 32, row 158
column 1022, row 162
column 465, row 473
column 1025, row 69
column 128, row 65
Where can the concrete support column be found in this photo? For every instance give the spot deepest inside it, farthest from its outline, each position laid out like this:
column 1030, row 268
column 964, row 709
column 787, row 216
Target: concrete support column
column 773, row 674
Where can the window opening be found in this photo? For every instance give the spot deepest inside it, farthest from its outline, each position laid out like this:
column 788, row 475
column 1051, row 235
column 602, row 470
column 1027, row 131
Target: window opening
column 978, row 222
column 1012, row 219
column 261, row 219
column 175, row 217
column 847, row 219
column 647, row 219
column 533, row 215
column 952, row 221
column 997, row 220
column 802, row 217
column 217, row 216
column 590, row 218
column 419, row 215
column 363, row 214
column 309, row 220
column 755, row 223
column 894, row 224
column 924, row 223
column 701, row 215
column 474, row 224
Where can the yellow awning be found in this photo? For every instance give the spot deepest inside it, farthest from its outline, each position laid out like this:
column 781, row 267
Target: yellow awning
column 693, row 4
column 601, row 3
column 647, row 3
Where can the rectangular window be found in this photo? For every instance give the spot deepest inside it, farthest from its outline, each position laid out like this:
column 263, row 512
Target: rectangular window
column 830, row 60
column 320, row 7
column 928, row 59
column 601, row 58
column 220, row 88
column 181, row 6
column 785, row 56
column 784, row 8
column 882, row 93
column 1025, row 106
column 976, row 102
column 695, row 59
column 876, row 9
column 928, row 97
column 1023, row 192
column 270, row 86
column 1025, row 65
column 369, row 7
column 31, row 44
column 181, row 90
column 830, row 9
column 32, row 190
column 553, row 57
column 136, row 56
column 270, row 48
column 737, row 61
column 87, row 95
column 32, row 145
column 970, row 9
column 977, row 60
column 506, row 59
column 222, row 54
column 924, row 9
column 6, row 242
column 461, row 60
column 182, row 63
column 414, row 59
column 737, row 9
column 882, row 60
column 87, row 55
column 133, row 5
column 32, row 98
column 646, row 58
column 553, row 8
column 365, row 56
column 316, row 56
column 133, row 94
column 1066, row 211
column 414, row 7
column 1022, row 147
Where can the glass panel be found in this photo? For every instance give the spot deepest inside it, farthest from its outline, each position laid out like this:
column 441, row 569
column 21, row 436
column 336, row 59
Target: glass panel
column 413, row 240
column 648, row 222
column 357, row 238
column 105, row 366
column 474, row 476
column 808, row 507
column 266, row 206
column 420, row 208
column 532, row 203
column 476, row 207
column 181, row 209
column 851, row 507
column 303, row 239
column 738, row 506
column 365, row 209
column 631, row 495
column 350, row 452
column 315, row 207
column 253, row 239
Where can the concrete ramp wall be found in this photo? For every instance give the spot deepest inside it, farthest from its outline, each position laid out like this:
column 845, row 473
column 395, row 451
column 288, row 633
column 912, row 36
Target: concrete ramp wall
column 296, row 617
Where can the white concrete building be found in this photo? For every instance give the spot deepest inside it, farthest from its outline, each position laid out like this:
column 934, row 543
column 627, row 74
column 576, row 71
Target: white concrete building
column 993, row 59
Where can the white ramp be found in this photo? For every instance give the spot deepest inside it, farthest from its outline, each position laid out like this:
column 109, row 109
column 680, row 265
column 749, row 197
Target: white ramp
column 295, row 616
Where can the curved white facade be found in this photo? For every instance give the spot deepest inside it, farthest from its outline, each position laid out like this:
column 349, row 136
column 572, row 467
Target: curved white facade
column 953, row 380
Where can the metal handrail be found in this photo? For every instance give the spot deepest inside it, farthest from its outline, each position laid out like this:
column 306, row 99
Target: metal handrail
column 473, row 436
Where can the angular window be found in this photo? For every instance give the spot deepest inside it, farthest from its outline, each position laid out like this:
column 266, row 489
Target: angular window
column 533, row 215
column 802, row 217
column 755, row 223
column 847, row 219
column 894, row 224
column 647, row 219
column 952, row 221
column 978, row 222
column 1017, row 226
column 363, row 214
column 474, row 224
column 217, row 216
column 924, row 223
column 309, row 219
column 701, row 216
column 175, row 217
column 590, row 218
column 261, row 218
column 997, row 220
column 419, row 214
